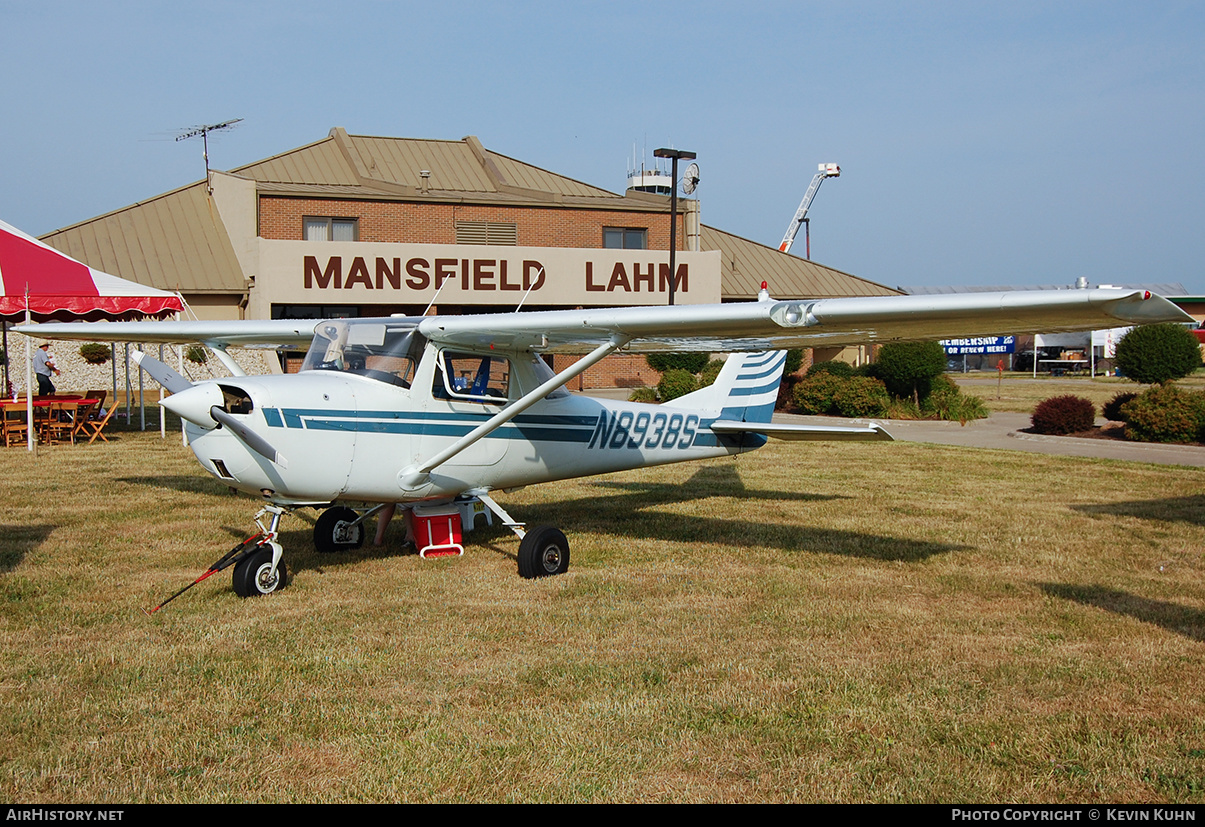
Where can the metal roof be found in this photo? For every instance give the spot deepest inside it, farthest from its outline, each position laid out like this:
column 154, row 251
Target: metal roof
column 378, row 167
column 175, row 241
column 744, row 264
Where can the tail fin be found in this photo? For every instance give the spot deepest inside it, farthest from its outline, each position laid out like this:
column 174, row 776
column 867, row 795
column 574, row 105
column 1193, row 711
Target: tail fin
column 745, row 390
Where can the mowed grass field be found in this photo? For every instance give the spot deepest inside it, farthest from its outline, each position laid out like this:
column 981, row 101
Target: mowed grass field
column 810, row 622
column 1020, row 392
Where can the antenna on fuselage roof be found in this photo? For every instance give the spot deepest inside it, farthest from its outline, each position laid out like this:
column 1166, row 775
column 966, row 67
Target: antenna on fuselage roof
column 438, row 290
column 534, row 282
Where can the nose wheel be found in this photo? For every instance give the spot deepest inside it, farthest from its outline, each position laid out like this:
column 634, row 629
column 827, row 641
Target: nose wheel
column 261, row 572
column 258, row 569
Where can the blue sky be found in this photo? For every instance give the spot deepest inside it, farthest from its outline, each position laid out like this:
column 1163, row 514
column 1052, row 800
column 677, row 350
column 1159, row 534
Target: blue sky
column 980, row 143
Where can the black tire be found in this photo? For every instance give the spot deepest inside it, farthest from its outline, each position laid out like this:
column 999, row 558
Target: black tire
column 251, row 574
column 331, row 532
column 543, row 552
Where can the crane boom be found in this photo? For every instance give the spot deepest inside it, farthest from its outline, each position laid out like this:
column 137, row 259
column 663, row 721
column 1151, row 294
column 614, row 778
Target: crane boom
column 826, row 171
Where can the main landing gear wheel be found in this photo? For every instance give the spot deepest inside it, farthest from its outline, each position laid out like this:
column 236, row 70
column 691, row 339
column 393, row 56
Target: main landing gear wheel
column 334, row 531
column 543, row 552
column 254, row 577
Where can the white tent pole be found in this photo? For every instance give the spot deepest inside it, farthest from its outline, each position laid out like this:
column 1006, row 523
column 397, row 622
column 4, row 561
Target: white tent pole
column 180, row 362
column 141, row 398
column 162, row 410
column 28, row 378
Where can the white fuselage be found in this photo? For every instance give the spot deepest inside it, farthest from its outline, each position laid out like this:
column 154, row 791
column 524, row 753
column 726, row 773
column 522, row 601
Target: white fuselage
column 348, row 437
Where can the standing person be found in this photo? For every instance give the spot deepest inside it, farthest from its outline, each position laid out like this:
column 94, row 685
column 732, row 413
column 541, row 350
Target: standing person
column 43, row 366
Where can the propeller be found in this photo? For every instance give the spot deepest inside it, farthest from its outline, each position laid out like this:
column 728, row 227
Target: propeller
column 161, row 373
column 202, row 405
column 249, row 437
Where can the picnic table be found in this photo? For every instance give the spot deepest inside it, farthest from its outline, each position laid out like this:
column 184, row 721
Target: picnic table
column 56, row 418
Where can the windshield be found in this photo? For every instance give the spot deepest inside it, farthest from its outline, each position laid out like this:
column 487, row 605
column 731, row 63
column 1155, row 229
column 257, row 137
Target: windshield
column 380, row 349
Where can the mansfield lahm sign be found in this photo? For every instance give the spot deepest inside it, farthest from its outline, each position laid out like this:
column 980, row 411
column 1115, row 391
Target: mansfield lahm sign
column 981, row 344
column 308, row 272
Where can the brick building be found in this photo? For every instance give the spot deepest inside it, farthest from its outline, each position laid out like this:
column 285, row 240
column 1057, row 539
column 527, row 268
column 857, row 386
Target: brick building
column 370, row 226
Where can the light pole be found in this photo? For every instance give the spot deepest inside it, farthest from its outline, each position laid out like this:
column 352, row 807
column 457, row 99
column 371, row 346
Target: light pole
column 675, row 154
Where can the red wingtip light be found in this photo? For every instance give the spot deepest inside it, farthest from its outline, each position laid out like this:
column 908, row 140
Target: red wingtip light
column 765, row 286
column 1146, row 294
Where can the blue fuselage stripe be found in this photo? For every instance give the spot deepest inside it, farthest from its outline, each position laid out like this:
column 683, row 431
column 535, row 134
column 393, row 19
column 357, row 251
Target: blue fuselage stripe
column 534, row 427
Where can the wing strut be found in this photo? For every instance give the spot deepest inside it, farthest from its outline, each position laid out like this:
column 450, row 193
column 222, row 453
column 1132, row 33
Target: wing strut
column 414, row 476
column 219, row 350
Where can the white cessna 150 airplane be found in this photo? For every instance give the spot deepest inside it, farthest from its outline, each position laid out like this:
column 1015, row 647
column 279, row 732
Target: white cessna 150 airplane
column 442, row 411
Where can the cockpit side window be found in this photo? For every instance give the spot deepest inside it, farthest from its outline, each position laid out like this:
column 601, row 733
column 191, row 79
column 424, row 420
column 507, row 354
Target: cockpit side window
column 472, row 377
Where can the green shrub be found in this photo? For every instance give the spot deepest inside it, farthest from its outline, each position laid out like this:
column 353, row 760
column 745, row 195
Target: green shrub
column 834, row 368
column 786, row 394
column 903, row 409
column 861, row 396
column 643, row 395
column 676, row 382
column 95, row 353
column 943, row 385
column 1165, row 413
column 947, row 401
column 692, row 363
column 909, row 368
column 1064, row 415
column 710, row 372
column 794, row 362
column 1111, row 410
column 197, row 354
column 815, row 394
column 1158, row 353
column 958, row 407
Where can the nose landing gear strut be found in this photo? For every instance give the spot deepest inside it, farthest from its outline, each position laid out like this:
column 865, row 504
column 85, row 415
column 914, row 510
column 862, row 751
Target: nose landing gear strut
column 258, row 569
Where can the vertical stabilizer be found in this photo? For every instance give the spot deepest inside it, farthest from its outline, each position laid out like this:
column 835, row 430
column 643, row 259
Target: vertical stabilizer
column 745, row 390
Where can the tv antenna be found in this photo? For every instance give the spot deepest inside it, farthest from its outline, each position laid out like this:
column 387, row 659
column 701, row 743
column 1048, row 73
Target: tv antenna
column 204, row 131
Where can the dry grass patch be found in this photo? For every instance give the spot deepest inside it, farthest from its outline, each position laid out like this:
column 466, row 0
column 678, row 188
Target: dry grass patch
column 1020, row 392
column 817, row 622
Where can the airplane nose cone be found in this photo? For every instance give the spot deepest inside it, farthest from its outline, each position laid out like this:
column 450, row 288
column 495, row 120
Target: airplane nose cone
column 193, row 404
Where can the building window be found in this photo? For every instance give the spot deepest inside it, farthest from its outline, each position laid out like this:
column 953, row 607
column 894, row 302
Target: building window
column 625, row 238
column 487, row 232
column 331, row 229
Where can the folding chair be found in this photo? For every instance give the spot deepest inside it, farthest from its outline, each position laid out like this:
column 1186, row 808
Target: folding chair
column 61, row 422
column 96, row 427
column 16, row 427
column 86, row 411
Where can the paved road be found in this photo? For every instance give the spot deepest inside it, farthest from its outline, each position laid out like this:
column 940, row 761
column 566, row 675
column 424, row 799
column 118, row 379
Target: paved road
column 1003, row 430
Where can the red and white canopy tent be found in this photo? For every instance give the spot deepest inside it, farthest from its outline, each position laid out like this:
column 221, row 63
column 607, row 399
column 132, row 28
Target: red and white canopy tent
column 39, row 283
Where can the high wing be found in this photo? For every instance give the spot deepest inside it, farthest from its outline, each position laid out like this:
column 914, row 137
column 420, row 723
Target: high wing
column 771, row 325
column 247, row 333
column 747, row 326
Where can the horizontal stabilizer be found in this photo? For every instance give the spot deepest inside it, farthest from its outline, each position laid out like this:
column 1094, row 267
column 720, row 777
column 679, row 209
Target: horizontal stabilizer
column 780, row 430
